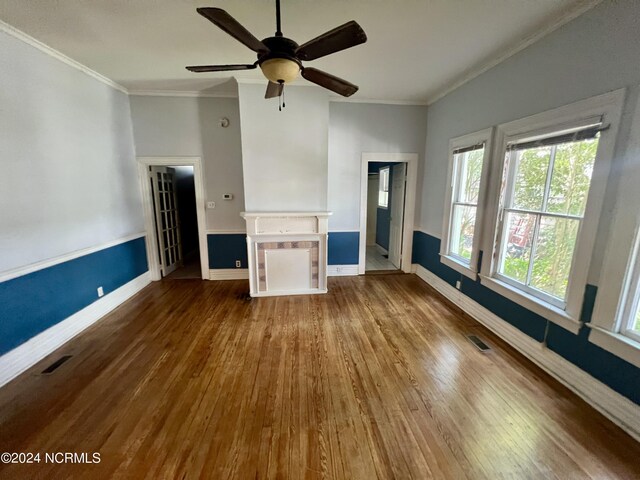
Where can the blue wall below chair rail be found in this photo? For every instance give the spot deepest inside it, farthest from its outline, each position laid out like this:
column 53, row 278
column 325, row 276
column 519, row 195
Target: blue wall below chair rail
column 614, row 372
column 226, row 248
column 343, row 248
column 36, row 301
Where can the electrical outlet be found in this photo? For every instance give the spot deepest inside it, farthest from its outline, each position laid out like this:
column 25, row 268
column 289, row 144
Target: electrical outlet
column 238, row 264
column 100, row 292
column 458, row 284
column 211, row 204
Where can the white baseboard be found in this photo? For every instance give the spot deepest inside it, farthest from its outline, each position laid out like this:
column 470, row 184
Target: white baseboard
column 229, row 274
column 285, row 293
column 617, row 408
column 35, row 349
column 342, row 270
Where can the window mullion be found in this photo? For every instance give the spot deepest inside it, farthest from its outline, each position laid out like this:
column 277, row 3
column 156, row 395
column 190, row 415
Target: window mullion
column 547, row 184
column 532, row 253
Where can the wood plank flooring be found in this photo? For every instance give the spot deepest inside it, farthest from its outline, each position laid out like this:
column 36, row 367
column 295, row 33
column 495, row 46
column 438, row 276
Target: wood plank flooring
column 373, row 380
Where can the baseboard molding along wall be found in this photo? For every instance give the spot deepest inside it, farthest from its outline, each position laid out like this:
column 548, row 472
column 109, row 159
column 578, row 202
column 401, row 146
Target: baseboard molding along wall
column 617, row 408
column 342, row 270
column 229, row 274
column 21, row 358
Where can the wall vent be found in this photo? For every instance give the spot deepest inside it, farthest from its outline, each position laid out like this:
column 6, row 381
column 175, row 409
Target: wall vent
column 55, row 365
column 483, row 347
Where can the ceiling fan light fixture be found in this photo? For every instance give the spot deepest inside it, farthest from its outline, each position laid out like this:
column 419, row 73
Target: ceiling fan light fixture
column 280, row 70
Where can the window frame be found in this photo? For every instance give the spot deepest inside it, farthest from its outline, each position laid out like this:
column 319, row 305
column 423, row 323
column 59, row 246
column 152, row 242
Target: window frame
column 620, row 273
column 381, row 189
column 605, row 109
column 453, row 261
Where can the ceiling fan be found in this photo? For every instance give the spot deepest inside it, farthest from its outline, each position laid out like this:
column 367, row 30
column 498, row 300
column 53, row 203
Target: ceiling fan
column 280, row 58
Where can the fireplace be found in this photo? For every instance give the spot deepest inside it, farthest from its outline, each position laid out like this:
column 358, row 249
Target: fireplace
column 287, row 252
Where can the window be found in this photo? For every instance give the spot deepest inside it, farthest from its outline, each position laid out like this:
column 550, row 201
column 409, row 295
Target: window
column 548, row 184
column 544, row 203
column 463, row 210
column 383, row 189
column 615, row 323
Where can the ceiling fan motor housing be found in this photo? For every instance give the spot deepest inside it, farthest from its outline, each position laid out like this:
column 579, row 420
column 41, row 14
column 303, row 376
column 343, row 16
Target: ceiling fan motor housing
column 280, row 64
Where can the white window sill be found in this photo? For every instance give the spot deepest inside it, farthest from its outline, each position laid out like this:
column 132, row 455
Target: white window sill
column 620, row 345
column 542, row 308
column 458, row 266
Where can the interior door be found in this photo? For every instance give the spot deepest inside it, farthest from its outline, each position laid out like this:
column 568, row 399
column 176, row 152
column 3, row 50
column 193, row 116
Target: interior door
column 167, row 221
column 398, row 182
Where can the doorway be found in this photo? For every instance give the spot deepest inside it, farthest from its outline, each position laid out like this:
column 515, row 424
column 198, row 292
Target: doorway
column 386, row 212
column 173, row 200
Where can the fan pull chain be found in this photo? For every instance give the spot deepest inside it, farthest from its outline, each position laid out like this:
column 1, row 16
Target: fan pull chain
column 283, row 105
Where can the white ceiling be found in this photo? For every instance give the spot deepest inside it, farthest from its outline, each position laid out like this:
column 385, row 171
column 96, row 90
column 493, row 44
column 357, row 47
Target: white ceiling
column 416, row 49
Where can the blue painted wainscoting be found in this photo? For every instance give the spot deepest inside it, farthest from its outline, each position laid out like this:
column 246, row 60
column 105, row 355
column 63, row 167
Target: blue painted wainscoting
column 34, row 302
column 226, row 248
column 614, row 372
column 343, row 248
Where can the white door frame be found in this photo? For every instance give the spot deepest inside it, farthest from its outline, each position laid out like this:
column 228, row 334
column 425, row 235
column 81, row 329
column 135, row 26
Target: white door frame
column 198, row 179
column 411, row 159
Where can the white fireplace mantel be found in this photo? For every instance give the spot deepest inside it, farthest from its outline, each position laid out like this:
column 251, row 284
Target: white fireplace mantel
column 287, row 252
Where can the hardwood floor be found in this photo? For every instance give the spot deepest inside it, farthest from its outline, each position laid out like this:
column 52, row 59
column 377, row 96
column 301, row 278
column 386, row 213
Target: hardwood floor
column 373, row 380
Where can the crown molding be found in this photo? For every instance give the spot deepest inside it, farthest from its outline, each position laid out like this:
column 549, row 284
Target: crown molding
column 510, row 51
column 181, row 93
column 377, row 101
column 29, row 40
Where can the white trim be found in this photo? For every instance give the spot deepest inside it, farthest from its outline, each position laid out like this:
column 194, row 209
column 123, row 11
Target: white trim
column 617, row 408
column 458, row 266
column 284, row 293
column 608, row 107
column 415, row 103
column 228, row 231
column 342, row 270
column 29, row 40
column 536, row 305
column 147, row 204
column 229, row 274
column 16, row 361
column 411, row 159
column 181, row 93
column 34, row 267
column 483, row 136
column 346, row 230
column 556, row 22
column 620, row 345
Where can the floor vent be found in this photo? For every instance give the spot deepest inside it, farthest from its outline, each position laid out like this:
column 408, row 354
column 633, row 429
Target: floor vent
column 55, row 365
column 483, row 347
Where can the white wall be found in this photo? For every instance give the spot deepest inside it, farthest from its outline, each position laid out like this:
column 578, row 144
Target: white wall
column 284, row 153
column 69, row 179
column 188, row 126
column 595, row 53
column 355, row 128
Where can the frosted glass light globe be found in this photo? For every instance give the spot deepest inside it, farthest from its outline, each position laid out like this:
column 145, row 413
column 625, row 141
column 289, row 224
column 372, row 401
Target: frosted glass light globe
column 280, row 70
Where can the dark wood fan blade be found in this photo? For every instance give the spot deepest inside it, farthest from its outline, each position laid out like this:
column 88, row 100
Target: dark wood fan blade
column 330, row 82
column 273, row 90
column 220, row 68
column 340, row 38
column 230, row 25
